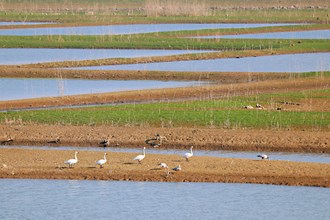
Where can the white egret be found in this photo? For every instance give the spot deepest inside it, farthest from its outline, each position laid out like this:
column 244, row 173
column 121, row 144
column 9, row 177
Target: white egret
column 101, row 162
column 73, row 161
column 190, row 154
column 140, row 157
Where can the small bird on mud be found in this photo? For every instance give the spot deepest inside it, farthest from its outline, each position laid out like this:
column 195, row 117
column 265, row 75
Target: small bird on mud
column 104, row 143
column 101, row 162
column 177, row 168
column 56, row 141
column 190, row 154
column 140, row 157
column 72, row 162
column 263, row 156
column 164, row 165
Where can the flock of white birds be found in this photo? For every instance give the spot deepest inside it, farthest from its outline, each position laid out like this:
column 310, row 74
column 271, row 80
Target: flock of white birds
column 139, row 158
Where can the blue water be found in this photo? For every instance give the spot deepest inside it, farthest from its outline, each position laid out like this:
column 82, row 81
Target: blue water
column 24, row 88
column 5, row 23
column 85, row 200
column 11, row 56
column 283, row 156
column 315, row 34
column 125, row 29
column 276, row 63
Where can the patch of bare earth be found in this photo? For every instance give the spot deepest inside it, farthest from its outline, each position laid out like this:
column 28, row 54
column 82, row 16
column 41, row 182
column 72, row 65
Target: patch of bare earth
column 49, row 164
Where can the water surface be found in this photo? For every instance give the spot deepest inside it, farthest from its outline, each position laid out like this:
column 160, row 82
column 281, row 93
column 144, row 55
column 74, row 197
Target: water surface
column 5, row 23
column 77, row 199
column 24, row 88
column 285, row 156
column 126, row 29
column 315, row 34
column 11, row 56
column 276, row 63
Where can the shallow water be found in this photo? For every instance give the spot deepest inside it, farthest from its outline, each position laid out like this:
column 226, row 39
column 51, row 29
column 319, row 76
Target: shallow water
column 77, row 199
column 24, row 88
column 126, row 29
column 11, row 56
column 297, row 157
column 316, row 34
column 276, row 63
column 5, row 23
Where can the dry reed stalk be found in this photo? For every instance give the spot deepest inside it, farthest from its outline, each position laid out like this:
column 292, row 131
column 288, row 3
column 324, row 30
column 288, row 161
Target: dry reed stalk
column 179, row 7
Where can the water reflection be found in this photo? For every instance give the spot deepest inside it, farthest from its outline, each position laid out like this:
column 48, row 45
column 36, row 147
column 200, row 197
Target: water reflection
column 316, row 34
column 15, row 88
column 276, row 63
column 67, row 199
column 126, row 29
column 298, row 157
column 10, row 56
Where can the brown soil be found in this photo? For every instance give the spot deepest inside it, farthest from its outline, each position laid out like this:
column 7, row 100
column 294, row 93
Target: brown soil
column 178, row 138
column 115, row 6
column 49, row 164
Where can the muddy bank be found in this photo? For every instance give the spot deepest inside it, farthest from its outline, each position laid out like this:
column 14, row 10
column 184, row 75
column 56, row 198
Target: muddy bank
column 219, row 77
column 193, row 93
column 177, row 138
column 49, row 164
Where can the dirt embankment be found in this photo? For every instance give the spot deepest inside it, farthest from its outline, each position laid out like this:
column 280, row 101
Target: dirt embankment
column 177, row 138
column 49, row 164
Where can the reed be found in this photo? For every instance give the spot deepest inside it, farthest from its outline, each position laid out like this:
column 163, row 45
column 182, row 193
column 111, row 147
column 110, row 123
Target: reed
column 156, row 8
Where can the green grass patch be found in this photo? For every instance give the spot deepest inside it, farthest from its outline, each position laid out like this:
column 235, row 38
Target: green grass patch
column 226, row 113
column 142, row 41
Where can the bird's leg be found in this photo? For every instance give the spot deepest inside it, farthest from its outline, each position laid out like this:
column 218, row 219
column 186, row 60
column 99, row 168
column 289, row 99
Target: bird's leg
column 167, row 172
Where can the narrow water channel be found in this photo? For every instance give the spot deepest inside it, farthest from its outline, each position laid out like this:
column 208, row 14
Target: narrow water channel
column 285, row 156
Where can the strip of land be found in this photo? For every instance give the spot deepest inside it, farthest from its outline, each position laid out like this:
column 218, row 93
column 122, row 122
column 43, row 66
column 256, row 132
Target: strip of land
column 49, row 164
column 177, row 138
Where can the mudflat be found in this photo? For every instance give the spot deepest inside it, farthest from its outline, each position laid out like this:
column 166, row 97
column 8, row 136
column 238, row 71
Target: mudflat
column 178, row 138
column 49, row 164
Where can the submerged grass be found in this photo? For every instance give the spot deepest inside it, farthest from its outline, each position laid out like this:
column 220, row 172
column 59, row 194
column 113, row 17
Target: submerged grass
column 227, row 113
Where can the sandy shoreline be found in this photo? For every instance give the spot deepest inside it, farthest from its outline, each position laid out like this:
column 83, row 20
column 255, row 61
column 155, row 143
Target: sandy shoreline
column 49, row 164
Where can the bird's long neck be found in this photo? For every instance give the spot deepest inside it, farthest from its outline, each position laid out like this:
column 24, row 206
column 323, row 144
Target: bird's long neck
column 75, row 156
column 105, row 157
column 191, row 150
column 144, row 152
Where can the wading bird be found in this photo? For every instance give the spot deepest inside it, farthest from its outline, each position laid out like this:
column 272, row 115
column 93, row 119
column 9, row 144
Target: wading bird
column 177, row 168
column 104, row 143
column 72, row 162
column 188, row 155
column 140, row 157
column 101, row 162
column 164, row 165
column 263, row 156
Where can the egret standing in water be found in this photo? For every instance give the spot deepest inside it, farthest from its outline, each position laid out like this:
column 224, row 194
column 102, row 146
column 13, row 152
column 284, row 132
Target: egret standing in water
column 188, row 155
